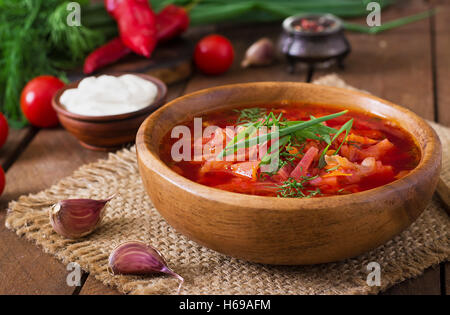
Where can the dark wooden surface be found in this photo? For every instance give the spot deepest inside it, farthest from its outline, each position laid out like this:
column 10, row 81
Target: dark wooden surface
column 409, row 66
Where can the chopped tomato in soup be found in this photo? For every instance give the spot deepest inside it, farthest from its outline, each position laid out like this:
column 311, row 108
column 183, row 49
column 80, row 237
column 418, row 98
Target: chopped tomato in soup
column 348, row 153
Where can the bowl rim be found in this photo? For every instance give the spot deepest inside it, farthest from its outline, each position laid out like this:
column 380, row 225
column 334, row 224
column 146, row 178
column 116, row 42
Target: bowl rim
column 157, row 102
column 429, row 155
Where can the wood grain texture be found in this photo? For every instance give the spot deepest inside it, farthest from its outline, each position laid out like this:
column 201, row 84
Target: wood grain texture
column 243, row 36
column 27, row 280
column 285, row 230
column 16, row 142
column 426, row 284
column 51, row 155
column 94, row 287
column 170, row 62
column 443, row 191
column 442, row 60
column 446, row 277
column 395, row 65
column 25, row 269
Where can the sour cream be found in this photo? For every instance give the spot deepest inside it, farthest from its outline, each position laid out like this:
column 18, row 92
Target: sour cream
column 109, row 95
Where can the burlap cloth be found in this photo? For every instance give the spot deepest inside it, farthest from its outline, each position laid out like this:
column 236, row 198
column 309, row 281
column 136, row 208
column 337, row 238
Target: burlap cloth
column 131, row 216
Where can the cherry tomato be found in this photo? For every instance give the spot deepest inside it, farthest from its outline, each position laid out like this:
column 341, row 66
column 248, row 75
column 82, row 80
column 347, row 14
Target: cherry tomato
column 3, row 130
column 213, row 54
column 2, row 180
column 36, row 100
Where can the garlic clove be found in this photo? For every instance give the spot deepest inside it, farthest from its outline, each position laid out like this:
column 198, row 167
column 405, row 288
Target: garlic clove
column 75, row 218
column 260, row 53
column 138, row 258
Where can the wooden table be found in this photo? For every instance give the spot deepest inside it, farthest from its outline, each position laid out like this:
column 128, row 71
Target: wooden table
column 409, row 66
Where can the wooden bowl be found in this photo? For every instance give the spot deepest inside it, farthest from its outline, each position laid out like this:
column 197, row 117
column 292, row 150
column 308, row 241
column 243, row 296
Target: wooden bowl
column 107, row 133
column 284, row 230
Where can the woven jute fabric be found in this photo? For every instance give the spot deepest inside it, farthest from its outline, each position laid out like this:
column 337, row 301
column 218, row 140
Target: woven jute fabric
column 131, row 216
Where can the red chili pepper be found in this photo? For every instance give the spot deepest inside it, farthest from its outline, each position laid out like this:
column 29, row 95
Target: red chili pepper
column 105, row 55
column 170, row 22
column 137, row 24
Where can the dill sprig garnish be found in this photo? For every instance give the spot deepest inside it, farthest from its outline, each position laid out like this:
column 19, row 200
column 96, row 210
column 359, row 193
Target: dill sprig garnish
column 293, row 188
column 249, row 115
column 302, row 130
column 291, row 134
column 287, row 157
column 271, row 120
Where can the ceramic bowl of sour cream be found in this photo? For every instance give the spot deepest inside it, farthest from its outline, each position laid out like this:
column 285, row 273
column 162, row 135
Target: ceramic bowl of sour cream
column 104, row 112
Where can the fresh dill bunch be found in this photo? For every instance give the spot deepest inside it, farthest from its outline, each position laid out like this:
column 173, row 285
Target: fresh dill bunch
column 35, row 40
column 77, row 41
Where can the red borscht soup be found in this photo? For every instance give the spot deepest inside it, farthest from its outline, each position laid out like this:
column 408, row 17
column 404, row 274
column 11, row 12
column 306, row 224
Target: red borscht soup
column 312, row 150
